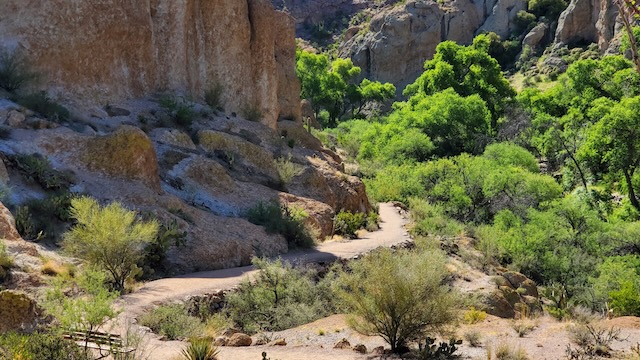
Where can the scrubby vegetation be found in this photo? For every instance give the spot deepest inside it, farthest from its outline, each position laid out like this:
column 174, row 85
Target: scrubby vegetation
column 108, row 237
column 281, row 297
column 284, row 220
column 544, row 180
column 6, row 262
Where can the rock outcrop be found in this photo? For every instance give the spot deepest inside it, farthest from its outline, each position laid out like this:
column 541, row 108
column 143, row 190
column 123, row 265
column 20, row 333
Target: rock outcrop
column 515, row 296
column 311, row 12
column 588, row 21
column 101, row 52
column 401, row 38
column 18, row 312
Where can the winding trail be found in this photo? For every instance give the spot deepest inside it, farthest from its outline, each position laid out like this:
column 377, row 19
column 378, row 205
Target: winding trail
column 392, row 232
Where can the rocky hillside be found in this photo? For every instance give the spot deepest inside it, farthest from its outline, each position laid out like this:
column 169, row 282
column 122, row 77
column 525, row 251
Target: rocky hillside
column 394, row 39
column 97, row 53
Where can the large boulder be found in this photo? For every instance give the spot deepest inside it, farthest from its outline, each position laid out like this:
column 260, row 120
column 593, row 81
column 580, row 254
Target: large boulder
column 239, row 339
column 8, row 225
column 127, row 153
column 535, row 36
column 18, row 312
column 515, row 296
column 113, row 50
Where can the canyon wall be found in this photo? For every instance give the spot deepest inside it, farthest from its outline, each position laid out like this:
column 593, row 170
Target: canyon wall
column 101, row 51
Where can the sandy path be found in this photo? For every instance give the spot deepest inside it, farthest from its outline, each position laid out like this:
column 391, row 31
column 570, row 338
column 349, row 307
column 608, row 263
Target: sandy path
column 392, row 231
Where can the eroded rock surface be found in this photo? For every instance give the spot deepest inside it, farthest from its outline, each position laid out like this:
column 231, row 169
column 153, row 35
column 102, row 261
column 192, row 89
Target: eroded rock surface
column 107, row 51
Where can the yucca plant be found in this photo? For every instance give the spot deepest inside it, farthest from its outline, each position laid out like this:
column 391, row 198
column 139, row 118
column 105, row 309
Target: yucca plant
column 200, row 349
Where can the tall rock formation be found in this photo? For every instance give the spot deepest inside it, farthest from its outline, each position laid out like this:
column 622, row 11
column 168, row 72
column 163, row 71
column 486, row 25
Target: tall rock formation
column 108, row 50
column 401, row 38
column 588, row 21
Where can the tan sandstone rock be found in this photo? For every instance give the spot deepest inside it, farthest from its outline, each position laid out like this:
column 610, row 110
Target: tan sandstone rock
column 112, row 50
column 239, row 339
column 18, row 312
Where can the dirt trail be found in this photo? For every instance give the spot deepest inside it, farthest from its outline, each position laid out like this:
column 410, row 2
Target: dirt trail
column 392, row 231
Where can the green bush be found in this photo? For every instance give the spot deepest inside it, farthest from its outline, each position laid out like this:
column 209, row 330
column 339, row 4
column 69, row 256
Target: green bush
column 14, row 71
column 180, row 110
column 399, row 295
column 39, row 346
column 347, row 223
column 282, row 220
column 251, row 112
column 38, row 168
column 6, row 262
column 200, row 349
column 213, row 96
column 287, row 169
column 173, row 322
column 280, row 297
column 25, row 224
column 524, row 21
column 41, row 103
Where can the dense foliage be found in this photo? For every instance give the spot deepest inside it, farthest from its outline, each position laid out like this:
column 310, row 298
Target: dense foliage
column 545, row 180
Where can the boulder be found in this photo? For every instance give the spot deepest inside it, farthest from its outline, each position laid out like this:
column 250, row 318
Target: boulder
column 241, row 151
column 221, row 341
column 18, row 312
column 342, row 344
column 535, row 36
column 127, row 153
column 113, row 50
column 15, row 119
column 501, row 19
column 239, row 339
column 173, row 137
column 515, row 296
column 8, row 225
column 360, row 348
column 4, row 174
column 114, row 111
column 278, row 342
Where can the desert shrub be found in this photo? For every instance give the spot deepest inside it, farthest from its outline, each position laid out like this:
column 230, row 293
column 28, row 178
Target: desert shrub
column 431, row 220
column 172, row 321
column 82, row 303
column 347, row 223
column 108, row 237
column 523, row 327
column 38, row 168
column 473, row 337
column 442, row 351
column 25, row 224
column 282, row 220
column 505, row 351
column 41, row 103
column 287, row 169
column 619, row 284
column 6, row 262
column 180, row 109
column 155, row 252
column 213, row 96
column 592, row 340
column 251, row 112
column 524, row 21
column 280, row 297
column 474, row 316
column 15, row 71
column 397, row 295
column 200, row 349
column 39, row 346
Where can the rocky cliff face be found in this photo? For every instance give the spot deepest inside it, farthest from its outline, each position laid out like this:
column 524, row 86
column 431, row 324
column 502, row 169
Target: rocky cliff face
column 105, row 51
column 401, row 38
column 588, row 21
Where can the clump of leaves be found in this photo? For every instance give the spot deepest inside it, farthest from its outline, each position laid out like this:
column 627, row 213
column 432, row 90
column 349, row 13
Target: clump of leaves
column 15, row 72
column 200, row 349
column 213, row 96
column 281, row 219
column 347, row 223
column 180, row 110
column 39, row 169
column 41, row 103
column 473, row 337
column 474, row 316
column 6, row 262
column 287, row 169
column 172, row 321
column 251, row 112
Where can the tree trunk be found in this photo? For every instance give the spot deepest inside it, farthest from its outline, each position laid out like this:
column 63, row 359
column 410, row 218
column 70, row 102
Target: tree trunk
column 632, row 193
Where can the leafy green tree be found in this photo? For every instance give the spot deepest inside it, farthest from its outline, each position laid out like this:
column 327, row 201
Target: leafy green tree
column 84, row 305
column 108, row 237
column 550, row 9
column 332, row 86
column 468, row 70
column 399, row 296
column 454, row 123
column 618, row 283
column 613, row 143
